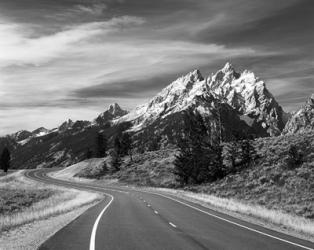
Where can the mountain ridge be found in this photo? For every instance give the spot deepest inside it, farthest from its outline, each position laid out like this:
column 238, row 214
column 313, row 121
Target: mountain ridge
column 230, row 103
column 243, row 91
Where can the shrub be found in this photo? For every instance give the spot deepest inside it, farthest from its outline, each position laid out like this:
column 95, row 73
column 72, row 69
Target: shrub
column 294, row 158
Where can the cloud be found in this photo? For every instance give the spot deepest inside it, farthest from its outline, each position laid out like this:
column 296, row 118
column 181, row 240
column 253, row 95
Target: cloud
column 93, row 9
column 17, row 48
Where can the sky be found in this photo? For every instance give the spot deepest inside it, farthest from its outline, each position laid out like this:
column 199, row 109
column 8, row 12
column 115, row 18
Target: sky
column 62, row 59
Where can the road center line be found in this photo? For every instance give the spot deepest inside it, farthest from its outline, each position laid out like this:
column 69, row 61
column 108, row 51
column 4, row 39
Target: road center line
column 93, row 235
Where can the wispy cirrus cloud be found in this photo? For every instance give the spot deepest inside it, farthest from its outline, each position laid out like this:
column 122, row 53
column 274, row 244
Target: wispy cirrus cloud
column 16, row 47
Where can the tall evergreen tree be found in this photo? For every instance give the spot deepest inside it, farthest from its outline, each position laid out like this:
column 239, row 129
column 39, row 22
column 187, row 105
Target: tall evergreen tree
column 117, row 144
column 231, row 156
column 199, row 160
column 5, row 159
column 294, row 158
column 115, row 161
column 126, row 144
column 248, row 153
column 184, row 163
column 101, row 145
column 89, row 153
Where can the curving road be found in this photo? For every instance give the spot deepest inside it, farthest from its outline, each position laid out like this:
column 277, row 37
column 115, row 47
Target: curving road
column 134, row 219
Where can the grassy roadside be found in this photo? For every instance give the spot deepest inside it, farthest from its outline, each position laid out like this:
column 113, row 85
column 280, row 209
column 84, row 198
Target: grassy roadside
column 26, row 204
column 275, row 219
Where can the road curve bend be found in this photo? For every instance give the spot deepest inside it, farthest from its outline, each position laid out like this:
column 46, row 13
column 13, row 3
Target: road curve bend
column 135, row 219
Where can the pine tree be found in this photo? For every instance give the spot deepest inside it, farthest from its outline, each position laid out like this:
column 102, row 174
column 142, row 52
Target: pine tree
column 218, row 168
column 231, row 155
column 126, row 145
column 115, row 161
column 89, row 153
column 104, row 168
column 183, row 164
column 248, row 153
column 199, row 161
column 5, row 159
column 294, row 158
column 117, row 145
column 101, row 145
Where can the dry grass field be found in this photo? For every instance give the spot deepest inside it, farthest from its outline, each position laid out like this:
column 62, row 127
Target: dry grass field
column 23, row 201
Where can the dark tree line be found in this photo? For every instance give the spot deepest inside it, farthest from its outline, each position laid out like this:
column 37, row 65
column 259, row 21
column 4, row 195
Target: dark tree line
column 201, row 158
column 101, row 142
column 5, row 160
column 101, row 147
column 122, row 147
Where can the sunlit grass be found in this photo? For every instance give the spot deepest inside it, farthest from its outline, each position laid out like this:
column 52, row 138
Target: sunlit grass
column 296, row 223
column 60, row 201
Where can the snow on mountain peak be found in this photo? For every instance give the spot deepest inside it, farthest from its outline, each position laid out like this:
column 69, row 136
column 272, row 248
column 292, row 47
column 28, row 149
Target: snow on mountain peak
column 116, row 110
column 40, row 132
column 244, row 92
column 249, row 95
column 177, row 96
column 228, row 67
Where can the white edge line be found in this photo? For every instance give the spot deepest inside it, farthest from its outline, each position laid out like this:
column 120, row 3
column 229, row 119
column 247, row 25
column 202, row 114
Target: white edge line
column 173, row 225
column 234, row 223
column 93, row 235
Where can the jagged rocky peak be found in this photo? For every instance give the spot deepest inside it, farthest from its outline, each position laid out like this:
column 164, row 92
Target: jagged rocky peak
column 245, row 92
column 66, row 125
column 303, row 119
column 228, row 67
column 179, row 89
column 116, row 110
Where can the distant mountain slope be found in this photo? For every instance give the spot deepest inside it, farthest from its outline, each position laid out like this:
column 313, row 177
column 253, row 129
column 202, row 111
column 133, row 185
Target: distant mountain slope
column 303, row 119
column 60, row 146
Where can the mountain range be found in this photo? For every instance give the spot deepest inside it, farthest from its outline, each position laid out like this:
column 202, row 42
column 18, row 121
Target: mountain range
column 230, row 102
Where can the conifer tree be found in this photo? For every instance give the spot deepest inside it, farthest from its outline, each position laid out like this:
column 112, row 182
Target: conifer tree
column 117, row 144
column 248, row 153
column 199, row 160
column 115, row 161
column 5, row 159
column 294, row 158
column 89, row 153
column 101, row 145
column 126, row 145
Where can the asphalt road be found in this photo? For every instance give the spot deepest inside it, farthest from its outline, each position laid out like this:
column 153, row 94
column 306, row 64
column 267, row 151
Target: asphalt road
column 133, row 219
